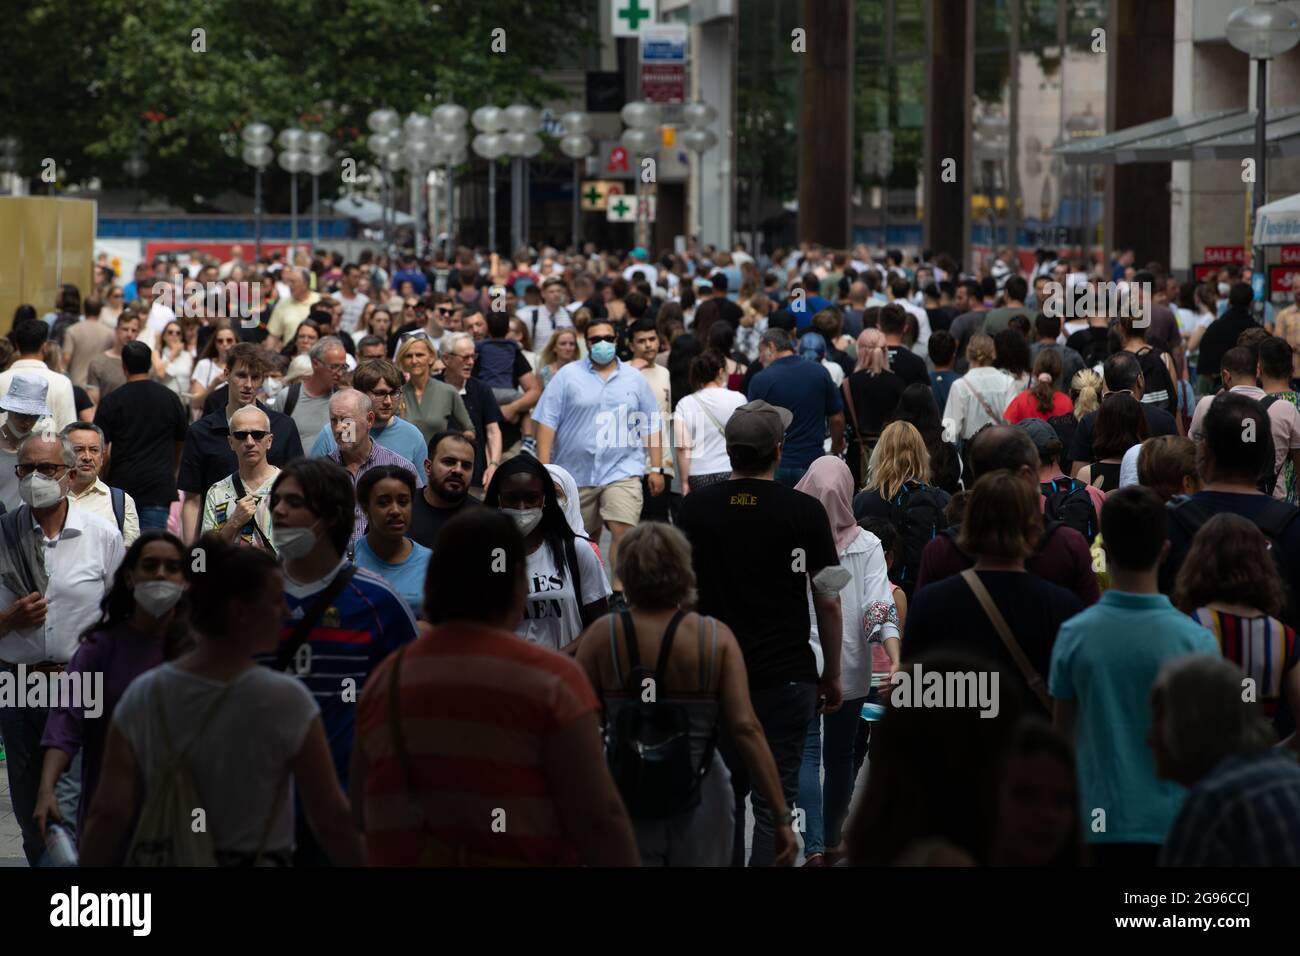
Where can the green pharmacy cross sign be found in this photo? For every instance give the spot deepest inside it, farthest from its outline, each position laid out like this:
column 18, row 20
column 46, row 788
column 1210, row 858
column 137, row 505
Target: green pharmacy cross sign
column 633, row 13
column 621, row 207
column 592, row 195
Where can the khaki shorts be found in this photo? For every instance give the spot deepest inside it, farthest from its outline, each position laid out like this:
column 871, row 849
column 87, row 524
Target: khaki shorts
column 619, row 501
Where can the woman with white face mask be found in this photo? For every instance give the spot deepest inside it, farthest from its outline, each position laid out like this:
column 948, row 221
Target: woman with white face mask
column 567, row 585
column 144, row 621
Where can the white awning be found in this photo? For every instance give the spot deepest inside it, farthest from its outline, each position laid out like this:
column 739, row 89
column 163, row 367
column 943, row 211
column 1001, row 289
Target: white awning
column 1278, row 222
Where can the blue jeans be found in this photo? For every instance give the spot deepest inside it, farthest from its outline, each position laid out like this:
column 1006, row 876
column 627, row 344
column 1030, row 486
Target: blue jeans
column 784, row 712
column 810, row 789
column 22, row 728
column 153, row 516
column 789, row 475
column 842, row 766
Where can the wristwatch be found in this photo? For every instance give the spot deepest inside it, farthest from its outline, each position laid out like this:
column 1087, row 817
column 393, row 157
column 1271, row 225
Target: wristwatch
column 657, row 471
column 493, row 464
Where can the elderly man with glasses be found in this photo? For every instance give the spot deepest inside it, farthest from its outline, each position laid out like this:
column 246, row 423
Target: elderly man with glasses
column 56, row 563
column 88, row 490
column 380, row 380
column 307, row 402
column 458, row 359
column 352, row 415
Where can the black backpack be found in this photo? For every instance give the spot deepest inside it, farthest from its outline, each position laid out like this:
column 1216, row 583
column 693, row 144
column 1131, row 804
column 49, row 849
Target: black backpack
column 1069, row 503
column 648, row 743
column 1157, row 380
column 917, row 511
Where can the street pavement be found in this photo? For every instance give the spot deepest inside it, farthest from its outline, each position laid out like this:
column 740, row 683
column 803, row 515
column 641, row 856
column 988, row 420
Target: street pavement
column 11, row 838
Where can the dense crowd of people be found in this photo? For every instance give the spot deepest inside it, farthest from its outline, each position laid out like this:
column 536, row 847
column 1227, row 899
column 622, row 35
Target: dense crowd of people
column 594, row 558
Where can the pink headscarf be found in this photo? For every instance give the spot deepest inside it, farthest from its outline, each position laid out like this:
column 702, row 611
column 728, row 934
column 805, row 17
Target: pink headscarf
column 830, row 482
column 871, row 352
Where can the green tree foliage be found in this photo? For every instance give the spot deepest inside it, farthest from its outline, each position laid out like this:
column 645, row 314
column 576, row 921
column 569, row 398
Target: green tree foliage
column 89, row 81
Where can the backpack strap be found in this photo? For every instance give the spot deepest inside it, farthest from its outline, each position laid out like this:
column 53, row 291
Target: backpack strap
column 1187, row 514
column 613, row 649
column 309, row 619
column 633, row 649
column 999, row 623
column 399, row 738
column 291, row 397
column 118, row 497
column 706, row 661
column 240, row 493
column 571, row 559
column 1276, row 517
column 851, row 407
column 665, row 649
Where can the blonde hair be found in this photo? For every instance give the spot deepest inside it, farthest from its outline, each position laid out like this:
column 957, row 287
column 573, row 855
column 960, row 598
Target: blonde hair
column 899, row 457
column 872, row 356
column 981, row 351
column 1085, row 389
column 654, row 564
column 548, row 355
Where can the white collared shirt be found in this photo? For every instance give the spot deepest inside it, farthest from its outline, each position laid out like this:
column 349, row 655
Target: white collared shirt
column 80, row 563
column 99, row 501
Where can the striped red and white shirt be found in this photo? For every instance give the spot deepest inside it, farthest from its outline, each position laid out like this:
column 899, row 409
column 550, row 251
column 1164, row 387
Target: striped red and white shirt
column 477, row 707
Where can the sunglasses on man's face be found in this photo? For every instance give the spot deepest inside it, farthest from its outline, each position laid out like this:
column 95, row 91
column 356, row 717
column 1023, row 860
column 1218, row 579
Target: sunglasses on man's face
column 256, row 435
column 593, row 339
column 46, row 469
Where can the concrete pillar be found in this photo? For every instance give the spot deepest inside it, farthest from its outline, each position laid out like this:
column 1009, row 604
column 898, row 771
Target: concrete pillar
column 713, row 80
column 826, row 123
column 1140, row 60
column 947, row 115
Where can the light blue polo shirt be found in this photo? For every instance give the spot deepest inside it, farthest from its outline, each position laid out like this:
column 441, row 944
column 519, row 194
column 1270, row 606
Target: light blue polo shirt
column 1106, row 659
column 399, row 436
column 601, row 425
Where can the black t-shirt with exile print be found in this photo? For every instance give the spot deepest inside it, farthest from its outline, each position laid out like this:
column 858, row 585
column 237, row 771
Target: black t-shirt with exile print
column 755, row 546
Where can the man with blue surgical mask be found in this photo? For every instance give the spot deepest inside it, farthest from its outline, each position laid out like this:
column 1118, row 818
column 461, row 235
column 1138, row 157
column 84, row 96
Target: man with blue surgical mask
column 56, row 563
column 597, row 420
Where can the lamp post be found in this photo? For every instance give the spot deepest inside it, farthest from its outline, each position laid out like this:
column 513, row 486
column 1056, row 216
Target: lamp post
column 490, row 143
column 699, row 139
column 315, row 162
column 293, row 160
column 450, row 138
column 1262, row 32
column 258, row 154
column 10, row 147
column 135, row 167
column 577, row 145
column 522, row 143
column 420, row 153
column 641, row 138
column 384, row 124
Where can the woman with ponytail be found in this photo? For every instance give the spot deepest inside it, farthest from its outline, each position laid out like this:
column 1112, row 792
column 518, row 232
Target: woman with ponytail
column 871, row 395
column 1085, row 393
column 1042, row 399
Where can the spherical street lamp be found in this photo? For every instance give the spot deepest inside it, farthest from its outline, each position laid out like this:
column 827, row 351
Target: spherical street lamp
column 1262, row 31
column 257, row 153
column 577, row 145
